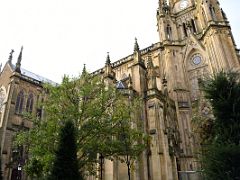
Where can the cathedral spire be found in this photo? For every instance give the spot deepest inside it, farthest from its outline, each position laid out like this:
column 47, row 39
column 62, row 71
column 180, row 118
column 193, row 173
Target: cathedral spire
column 10, row 57
column 18, row 64
column 136, row 46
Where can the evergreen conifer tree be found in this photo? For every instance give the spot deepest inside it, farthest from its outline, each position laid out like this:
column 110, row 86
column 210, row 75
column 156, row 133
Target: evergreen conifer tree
column 65, row 166
column 221, row 157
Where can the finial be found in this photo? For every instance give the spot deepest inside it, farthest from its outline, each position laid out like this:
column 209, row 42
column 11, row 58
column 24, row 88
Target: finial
column 136, row 46
column 10, row 56
column 18, row 64
column 108, row 61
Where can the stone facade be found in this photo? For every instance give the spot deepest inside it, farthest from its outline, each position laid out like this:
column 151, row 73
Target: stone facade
column 21, row 91
column 195, row 41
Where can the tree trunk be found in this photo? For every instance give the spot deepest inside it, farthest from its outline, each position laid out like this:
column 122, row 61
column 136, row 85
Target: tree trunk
column 101, row 166
column 128, row 165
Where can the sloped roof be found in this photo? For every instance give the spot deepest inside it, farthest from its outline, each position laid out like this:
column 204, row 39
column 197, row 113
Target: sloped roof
column 35, row 76
column 120, row 85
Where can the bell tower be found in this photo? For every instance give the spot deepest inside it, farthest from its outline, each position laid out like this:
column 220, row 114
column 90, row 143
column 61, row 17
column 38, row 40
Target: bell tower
column 196, row 41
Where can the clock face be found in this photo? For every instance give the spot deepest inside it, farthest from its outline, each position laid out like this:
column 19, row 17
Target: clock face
column 197, row 60
column 183, row 4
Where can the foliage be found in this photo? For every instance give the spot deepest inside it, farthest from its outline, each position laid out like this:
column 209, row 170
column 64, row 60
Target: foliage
column 65, row 165
column 222, row 150
column 223, row 91
column 129, row 139
column 97, row 111
column 221, row 162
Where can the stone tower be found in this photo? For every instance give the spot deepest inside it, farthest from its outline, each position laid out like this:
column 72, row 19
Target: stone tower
column 196, row 40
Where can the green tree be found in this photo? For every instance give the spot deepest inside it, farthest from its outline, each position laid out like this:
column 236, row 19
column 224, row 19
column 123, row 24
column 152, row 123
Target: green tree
column 130, row 141
column 222, row 149
column 73, row 99
column 117, row 131
column 92, row 108
column 65, row 165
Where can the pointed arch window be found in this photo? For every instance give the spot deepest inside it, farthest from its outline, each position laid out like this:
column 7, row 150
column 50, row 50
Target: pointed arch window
column 169, row 32
column 29, row 106
column 194, row 29
column 19, row 103
column 212, row 11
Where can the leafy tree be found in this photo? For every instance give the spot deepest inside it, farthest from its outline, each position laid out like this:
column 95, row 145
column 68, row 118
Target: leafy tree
column 222, row 150
column 92, row 108
column 65, row 165
column 130, row 141
column 73, row 99
column 118, row 132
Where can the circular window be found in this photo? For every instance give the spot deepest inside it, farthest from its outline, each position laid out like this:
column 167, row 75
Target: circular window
column 196, row 59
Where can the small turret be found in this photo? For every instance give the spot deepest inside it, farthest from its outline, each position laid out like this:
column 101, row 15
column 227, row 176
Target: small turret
column 136, row 46
column 137, row 54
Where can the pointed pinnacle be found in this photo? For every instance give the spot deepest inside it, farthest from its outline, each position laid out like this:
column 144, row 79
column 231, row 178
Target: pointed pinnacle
column 84, row 71
column 20, row 56
column 18, row 64
column 136, row 46
column 108, row 61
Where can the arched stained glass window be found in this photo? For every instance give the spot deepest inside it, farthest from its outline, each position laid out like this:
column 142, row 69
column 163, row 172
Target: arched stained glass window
column 29, row 106
column 19, row 102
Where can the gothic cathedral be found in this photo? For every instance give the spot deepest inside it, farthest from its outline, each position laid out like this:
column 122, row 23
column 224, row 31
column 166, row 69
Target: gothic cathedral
column 195, row 42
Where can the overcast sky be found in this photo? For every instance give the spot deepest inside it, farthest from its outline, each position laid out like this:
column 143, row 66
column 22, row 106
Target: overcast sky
column 59, row 36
